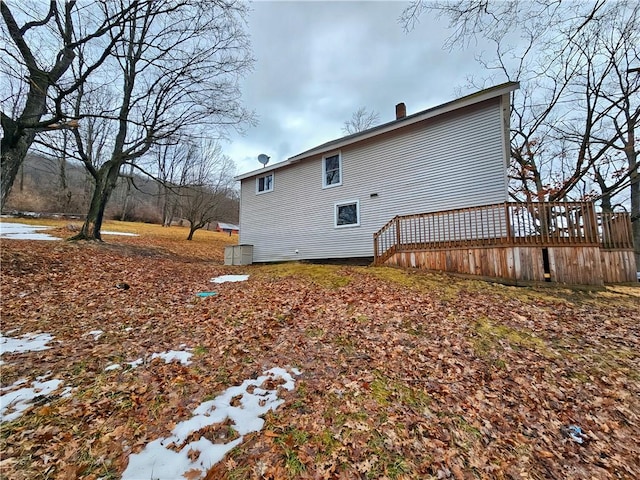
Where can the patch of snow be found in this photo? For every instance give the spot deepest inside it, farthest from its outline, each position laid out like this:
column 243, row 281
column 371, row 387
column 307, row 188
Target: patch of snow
column 182, row 356
column 96, row 334
column 22, row 231
column 136, row 363
column 29, row 342
column 114, row 366
column 15, row 402
column 230, row 278
column 171, row 355
column 66, row 392
column 170, row 458
column 18, row 382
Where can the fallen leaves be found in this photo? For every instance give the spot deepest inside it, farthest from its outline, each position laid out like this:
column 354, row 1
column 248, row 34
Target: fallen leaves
column 405, row 374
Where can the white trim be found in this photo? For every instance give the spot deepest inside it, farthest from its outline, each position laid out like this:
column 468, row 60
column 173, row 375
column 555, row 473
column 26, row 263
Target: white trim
column 335, row 213
column 324, row 171
column 273, row 178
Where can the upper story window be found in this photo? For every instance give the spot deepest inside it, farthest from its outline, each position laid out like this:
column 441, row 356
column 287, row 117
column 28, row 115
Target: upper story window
column 332, row 170
column 264, row 183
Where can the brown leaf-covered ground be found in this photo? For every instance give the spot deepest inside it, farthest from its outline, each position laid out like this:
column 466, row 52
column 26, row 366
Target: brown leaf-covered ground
column 405, row 374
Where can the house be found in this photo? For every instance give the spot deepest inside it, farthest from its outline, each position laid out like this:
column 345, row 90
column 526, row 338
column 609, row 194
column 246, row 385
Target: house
column 227, row 228
column 327, row 202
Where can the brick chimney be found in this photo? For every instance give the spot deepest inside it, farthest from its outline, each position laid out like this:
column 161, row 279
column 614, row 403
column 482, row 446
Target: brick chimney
column 401, row 111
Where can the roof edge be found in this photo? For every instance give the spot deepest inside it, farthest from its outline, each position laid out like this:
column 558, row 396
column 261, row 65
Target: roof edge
column 471, row 99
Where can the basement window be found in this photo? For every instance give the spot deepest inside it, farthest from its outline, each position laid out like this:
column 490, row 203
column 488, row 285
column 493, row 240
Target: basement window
column 332, row 170
column 265, row 183
column 347, row 214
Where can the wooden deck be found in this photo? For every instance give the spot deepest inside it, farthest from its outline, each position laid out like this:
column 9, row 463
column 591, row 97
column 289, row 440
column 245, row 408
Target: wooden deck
column 564, row 242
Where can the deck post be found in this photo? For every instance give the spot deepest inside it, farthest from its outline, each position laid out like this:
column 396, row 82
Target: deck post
column 376, row 255
column 508, row 220
column 397, row 222
column 592, row 224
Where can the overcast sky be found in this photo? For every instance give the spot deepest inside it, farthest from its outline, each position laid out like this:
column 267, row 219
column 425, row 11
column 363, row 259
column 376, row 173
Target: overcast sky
column 318, row 62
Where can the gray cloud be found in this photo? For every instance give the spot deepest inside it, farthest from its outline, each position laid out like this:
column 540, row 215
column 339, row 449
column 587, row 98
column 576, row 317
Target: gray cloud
column 318, row 62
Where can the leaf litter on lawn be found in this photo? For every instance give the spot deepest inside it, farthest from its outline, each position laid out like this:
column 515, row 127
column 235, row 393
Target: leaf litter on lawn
column 404, row 374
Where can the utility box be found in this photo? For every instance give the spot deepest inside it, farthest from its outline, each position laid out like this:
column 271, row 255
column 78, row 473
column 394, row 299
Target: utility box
column 238, row 255
column 228, row 255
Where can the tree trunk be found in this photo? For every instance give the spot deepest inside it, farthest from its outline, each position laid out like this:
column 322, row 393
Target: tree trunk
column 13, row 152
column 168, row 207
column 18, row 137
column 635, row 207
column 105, row 182
column 634, row 180
column 192, row 230
column 63, row 163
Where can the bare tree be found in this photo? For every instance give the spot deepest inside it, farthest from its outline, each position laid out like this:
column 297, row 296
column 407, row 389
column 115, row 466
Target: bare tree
column 171, row 162
column 361, row 120
column 573, row 121
column 38, row 47
column 208, row 183
column 179, row 65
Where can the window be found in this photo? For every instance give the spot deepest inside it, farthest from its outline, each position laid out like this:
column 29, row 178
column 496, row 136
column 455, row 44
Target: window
column 347, row 214
column 332, row 171
column 265, row 183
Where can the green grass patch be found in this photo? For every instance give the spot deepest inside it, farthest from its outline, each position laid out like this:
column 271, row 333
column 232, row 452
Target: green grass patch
column 315, row 332
column 444, row 287
column 290, row 441
column 200, row 350
column 328, row 276
column 488, row 337
column 386, row 391
column 384, row 463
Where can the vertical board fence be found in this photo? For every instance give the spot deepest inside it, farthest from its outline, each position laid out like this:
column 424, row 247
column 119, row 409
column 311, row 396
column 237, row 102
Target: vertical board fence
column 569, row 236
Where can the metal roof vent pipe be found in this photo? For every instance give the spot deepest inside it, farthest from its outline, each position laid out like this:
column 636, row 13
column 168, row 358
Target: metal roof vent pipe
column 401, row 111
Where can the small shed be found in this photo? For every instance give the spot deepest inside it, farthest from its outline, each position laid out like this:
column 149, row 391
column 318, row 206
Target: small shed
column 227, row 228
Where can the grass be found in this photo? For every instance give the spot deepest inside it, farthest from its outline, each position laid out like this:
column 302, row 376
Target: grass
column 489, row 339
column 206, row 244
column 387, row 391
column 328, row 276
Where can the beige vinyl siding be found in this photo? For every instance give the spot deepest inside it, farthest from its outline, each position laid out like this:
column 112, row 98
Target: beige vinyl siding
column 452, row 161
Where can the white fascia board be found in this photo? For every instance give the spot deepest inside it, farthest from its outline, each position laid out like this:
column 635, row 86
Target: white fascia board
column 262, row 171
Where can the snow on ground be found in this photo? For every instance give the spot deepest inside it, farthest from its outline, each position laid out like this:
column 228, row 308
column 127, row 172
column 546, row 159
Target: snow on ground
column 16, row 398
column 22, row 231
column 230, row 278
column 96, row 334
column 182, row 356
column 30, row 342
column 243, row 405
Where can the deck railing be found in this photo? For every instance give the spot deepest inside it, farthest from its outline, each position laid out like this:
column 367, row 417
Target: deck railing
column 615, row 230
column 505, row 224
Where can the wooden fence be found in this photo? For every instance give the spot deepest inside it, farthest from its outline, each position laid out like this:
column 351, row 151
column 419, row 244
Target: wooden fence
column 543, row 224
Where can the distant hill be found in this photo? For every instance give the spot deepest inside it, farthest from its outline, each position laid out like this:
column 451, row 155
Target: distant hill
column 49, row 185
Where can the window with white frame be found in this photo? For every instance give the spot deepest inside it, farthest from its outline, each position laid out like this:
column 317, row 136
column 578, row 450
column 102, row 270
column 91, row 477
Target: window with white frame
column 347, row 214
column 264, row 183
column 332, row 170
